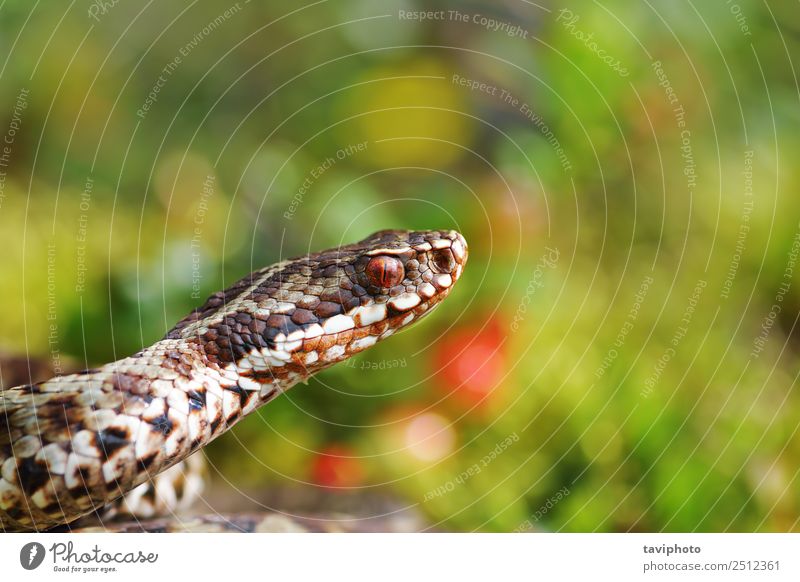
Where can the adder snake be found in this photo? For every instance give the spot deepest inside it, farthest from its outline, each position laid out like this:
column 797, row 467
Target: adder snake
column 77, row 443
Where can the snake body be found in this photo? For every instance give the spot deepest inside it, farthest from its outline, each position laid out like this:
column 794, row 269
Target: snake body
column 76, row 443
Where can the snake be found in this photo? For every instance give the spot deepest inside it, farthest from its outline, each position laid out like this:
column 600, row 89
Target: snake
column 79, row 443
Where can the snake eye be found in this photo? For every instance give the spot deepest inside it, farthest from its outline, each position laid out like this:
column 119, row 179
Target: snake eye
column 385, row 271
column 442, row 261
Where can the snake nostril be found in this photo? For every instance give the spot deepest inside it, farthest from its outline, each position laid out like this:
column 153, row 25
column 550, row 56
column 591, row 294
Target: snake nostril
column 443, row 261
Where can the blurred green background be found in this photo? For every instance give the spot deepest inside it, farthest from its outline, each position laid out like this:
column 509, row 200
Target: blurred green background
column 621, row 353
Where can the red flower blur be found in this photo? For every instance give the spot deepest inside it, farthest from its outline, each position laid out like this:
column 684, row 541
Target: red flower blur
column 471, row 362
column 336, row 467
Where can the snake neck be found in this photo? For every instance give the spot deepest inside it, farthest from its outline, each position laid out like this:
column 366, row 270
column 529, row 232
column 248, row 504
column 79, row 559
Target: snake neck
column 77, row 442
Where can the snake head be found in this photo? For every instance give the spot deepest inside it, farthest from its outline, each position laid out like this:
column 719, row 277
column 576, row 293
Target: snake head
column 288, row 321
column 361, row 293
